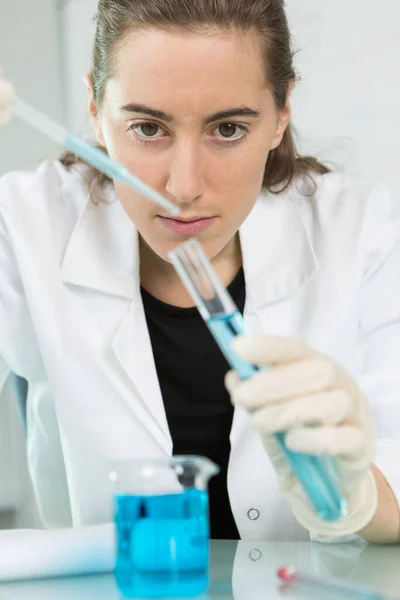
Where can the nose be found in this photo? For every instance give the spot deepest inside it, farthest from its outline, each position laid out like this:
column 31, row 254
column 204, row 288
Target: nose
column 186, row 181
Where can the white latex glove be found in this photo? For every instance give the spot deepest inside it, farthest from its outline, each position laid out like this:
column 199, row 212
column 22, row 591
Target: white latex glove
column 323, row 411
column 7, row 95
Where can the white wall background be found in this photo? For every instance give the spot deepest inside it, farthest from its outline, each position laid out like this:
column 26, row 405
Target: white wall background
column 77, row 18
column 346, row 105
column 30, row 49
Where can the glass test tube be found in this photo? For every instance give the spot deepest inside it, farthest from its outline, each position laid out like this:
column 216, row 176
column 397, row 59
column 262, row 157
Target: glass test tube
column 317, row 474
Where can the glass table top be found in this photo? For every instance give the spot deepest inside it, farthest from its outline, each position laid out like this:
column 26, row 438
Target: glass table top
column 247, row 570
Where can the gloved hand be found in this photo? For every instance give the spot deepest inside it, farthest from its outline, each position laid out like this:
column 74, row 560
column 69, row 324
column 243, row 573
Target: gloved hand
column 323, row 411
column 7, row 94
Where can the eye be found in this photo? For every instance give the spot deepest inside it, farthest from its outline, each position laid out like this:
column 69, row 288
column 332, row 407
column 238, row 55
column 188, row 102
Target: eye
column 231, row 131
column 147, row 130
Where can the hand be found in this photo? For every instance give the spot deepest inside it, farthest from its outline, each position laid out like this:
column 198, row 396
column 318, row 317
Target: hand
column 7, row 95
column 323, row 411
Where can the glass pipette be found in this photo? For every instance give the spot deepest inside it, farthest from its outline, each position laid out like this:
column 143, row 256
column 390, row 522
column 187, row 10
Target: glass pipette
column 89, row 153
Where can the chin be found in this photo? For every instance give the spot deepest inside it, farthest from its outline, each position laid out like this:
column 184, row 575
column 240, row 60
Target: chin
column 162, row 250
column 161, row 247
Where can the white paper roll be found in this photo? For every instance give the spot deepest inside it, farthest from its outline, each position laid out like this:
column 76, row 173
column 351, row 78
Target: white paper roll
column 28, row 554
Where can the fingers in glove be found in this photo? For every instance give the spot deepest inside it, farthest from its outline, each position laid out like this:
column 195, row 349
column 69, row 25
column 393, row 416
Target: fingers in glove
column 344, row 440
column 275, row 384
column 232, row 381
column 5, row 116
column 270, row 350
column 330, row 407
column 7, row 93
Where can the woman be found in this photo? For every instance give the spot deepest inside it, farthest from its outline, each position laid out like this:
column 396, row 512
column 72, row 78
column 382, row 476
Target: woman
column 195, row 99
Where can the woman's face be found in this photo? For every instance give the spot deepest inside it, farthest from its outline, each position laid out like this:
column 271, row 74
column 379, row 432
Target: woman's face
column 190, row 114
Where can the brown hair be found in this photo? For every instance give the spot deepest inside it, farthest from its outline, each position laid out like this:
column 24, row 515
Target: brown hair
column 115, row 18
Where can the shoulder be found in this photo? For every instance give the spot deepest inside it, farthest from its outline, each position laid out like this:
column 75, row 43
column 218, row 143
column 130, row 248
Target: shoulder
column 350, row 215
column 50, row 187
column 46, row 204
column 331, row 203
column 344, row 218
column 339, row 197
column 40, row 210
column 340, row 205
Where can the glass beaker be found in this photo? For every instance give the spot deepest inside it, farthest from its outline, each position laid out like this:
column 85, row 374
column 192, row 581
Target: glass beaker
column 162, row 526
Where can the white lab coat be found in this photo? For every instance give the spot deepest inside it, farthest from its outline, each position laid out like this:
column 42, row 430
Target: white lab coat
column 324, row 268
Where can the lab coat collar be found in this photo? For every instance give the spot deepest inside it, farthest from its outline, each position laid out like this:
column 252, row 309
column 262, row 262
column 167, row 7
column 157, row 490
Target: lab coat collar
column 102, row 253
column 278, row 256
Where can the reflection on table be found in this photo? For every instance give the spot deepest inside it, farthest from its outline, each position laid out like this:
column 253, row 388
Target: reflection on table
column 247, row 570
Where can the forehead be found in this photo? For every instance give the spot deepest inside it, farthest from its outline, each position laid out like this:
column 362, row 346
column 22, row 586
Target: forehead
column 192, row 69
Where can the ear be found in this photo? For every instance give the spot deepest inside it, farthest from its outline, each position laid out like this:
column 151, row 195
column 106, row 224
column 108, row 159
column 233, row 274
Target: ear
column 92, row 109
column 283, row 117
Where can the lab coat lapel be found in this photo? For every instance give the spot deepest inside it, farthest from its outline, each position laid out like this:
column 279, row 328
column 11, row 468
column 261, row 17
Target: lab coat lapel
column 132, row 348
column 99, row 255
column 278, row 259
column 103, row 255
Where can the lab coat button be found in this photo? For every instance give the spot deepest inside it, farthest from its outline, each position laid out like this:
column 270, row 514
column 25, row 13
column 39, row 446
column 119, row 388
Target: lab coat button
column 255, row 554
column 253, row 514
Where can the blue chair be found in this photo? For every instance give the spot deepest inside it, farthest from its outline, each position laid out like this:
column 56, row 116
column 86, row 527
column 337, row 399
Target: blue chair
column 20, row 389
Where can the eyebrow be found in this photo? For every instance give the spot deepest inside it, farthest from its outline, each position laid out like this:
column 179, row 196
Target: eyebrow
column 162, row 116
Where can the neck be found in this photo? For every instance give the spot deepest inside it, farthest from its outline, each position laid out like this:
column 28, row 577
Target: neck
column 159, row 278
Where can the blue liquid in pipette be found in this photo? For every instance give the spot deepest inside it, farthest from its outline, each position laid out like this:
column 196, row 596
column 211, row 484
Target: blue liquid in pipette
column 162, row 544
column 317, row 474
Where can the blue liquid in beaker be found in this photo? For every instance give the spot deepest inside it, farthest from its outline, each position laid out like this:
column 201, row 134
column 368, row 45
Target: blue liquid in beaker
column 162, row 544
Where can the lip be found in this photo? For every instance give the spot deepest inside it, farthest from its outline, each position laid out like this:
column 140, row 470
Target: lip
column 187, row 226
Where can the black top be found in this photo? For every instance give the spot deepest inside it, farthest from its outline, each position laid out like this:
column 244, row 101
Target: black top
column 191, row 370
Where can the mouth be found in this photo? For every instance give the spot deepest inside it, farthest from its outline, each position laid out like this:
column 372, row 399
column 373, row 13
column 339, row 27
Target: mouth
column 187, row 226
